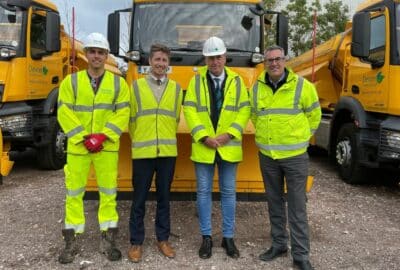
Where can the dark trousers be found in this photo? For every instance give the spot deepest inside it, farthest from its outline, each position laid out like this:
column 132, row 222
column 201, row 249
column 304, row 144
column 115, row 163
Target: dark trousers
column 143, row 171
column 295, row 170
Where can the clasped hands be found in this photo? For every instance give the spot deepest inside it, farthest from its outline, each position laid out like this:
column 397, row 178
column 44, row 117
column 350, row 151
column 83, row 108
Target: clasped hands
column 94, row 142
column 218, row 141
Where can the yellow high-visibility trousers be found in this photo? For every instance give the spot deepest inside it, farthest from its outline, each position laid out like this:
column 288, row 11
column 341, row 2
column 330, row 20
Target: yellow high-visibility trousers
column 76, row 175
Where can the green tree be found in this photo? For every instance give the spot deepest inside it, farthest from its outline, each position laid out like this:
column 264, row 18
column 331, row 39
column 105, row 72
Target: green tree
column 331, row 20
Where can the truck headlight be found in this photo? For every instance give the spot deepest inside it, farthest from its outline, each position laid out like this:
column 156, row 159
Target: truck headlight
column 257, row 58
column 7, row 53
column 17, row 125
column 133, row 55
column 390, row 144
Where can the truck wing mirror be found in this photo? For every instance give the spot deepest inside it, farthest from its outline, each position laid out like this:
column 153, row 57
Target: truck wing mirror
column 113, row 32
column 361, row 35
column 53, row 43
column 282, row 32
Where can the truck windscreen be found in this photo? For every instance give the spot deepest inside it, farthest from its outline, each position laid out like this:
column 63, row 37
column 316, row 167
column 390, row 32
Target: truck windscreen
column 10, row 29
column 185, row 26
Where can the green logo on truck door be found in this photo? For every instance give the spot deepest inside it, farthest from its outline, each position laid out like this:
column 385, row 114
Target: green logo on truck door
column 379, row 77
column 38, row 70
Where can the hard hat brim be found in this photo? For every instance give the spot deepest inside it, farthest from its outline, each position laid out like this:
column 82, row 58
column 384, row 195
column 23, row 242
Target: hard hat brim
column 214, row 53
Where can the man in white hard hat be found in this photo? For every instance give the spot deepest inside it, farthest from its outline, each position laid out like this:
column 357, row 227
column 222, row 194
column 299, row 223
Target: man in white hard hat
column 216, row 109
column 93, row 111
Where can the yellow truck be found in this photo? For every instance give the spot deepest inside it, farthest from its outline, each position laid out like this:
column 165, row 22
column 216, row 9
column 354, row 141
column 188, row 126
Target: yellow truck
column 35, row 56
column 357, row 75
column 184, row 26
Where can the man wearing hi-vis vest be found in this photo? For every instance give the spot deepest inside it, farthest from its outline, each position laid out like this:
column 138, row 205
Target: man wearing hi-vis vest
column 155, row 108
column 216, row 110
column 93, row 111
column 285, row 113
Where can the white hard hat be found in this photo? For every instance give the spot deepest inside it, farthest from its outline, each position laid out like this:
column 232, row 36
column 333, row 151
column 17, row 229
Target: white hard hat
column 96, row 40
column 214, row 46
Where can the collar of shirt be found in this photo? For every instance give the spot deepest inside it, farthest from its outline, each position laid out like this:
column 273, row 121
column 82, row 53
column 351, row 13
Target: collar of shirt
column 221, row 77
column 163, row 79
column 275, row 84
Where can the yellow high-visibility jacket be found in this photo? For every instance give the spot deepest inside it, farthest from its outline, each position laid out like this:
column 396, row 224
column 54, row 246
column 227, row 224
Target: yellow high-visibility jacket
column 286, row 120
column 82, row 112
column 233, row 118
column 153, row 125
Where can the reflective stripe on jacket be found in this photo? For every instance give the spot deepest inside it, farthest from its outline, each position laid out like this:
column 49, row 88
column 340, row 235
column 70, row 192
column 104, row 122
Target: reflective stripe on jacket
column 82, row 112
column 234, row 115
column 153, row 125
column 286, row 120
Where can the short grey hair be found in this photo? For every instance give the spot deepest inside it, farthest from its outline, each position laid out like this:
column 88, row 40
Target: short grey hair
column 273, row 48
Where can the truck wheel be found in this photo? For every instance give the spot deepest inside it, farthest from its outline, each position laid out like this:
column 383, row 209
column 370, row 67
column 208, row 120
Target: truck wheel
column 53, row 156
column 347, row 155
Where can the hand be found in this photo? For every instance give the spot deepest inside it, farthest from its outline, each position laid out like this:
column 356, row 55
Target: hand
column 223, row 139
column 211, row 143
column 94, row 142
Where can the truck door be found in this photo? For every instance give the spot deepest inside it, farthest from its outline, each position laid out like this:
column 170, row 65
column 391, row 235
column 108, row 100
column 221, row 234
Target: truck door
column 368, row 78
column 44, row 68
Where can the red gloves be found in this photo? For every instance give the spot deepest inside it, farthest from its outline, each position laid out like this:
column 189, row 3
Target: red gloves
column 94, row 142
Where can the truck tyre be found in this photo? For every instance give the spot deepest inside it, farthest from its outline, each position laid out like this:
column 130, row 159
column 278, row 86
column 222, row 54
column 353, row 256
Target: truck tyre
column 347, row 150
column 53, row 155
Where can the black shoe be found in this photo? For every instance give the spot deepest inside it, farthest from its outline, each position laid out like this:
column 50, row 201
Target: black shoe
column 205, row 250
column 272, row 253
column 229, row 245
column 303, row 265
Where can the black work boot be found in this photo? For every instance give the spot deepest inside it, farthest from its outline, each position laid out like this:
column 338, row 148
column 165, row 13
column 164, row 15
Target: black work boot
column 71, row 248
column 107, row 244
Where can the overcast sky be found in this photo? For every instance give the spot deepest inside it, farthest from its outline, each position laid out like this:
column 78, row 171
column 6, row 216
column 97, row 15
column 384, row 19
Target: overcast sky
column 90, row 15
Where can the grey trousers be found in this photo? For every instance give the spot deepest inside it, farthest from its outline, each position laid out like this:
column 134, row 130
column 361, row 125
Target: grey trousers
column 295, row 170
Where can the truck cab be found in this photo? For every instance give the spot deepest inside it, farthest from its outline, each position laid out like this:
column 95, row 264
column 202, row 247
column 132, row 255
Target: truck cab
column 184, row 26
column 32, row 64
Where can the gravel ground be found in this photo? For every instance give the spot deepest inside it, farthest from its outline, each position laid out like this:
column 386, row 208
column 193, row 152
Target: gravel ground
column 352, row 227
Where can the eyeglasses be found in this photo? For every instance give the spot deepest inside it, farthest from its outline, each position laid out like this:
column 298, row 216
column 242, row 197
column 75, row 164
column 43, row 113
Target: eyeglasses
column 276, row 59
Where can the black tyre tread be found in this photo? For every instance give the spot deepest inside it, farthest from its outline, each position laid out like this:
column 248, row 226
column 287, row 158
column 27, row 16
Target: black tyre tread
column 355, row 173
column 46, row 156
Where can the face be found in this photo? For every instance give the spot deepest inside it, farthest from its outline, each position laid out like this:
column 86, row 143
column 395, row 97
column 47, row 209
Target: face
column 216, row 64
column 275, row 64
column 96, row 58
column 159, row 64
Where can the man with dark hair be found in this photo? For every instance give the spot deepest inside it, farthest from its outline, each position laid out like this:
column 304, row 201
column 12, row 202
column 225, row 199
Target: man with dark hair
column 93, row 111
column 155, row 109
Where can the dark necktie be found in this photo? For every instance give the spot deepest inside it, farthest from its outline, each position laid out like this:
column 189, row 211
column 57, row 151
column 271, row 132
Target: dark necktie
column 218, row 95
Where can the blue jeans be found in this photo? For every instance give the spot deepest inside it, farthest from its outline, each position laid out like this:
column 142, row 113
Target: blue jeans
column 227, row 187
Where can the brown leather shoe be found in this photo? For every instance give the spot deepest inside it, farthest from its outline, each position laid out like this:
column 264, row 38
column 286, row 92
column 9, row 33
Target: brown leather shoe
column 135, row 253
column 166, row 249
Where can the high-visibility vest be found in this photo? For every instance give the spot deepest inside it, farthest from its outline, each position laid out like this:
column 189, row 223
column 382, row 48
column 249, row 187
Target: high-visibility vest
column 284, row 120
column 81, row 111
column 233, row 118
column 153, row 124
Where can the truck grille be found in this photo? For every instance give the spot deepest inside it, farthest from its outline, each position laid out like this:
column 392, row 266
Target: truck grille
column 19, row 125
column 389, row 146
